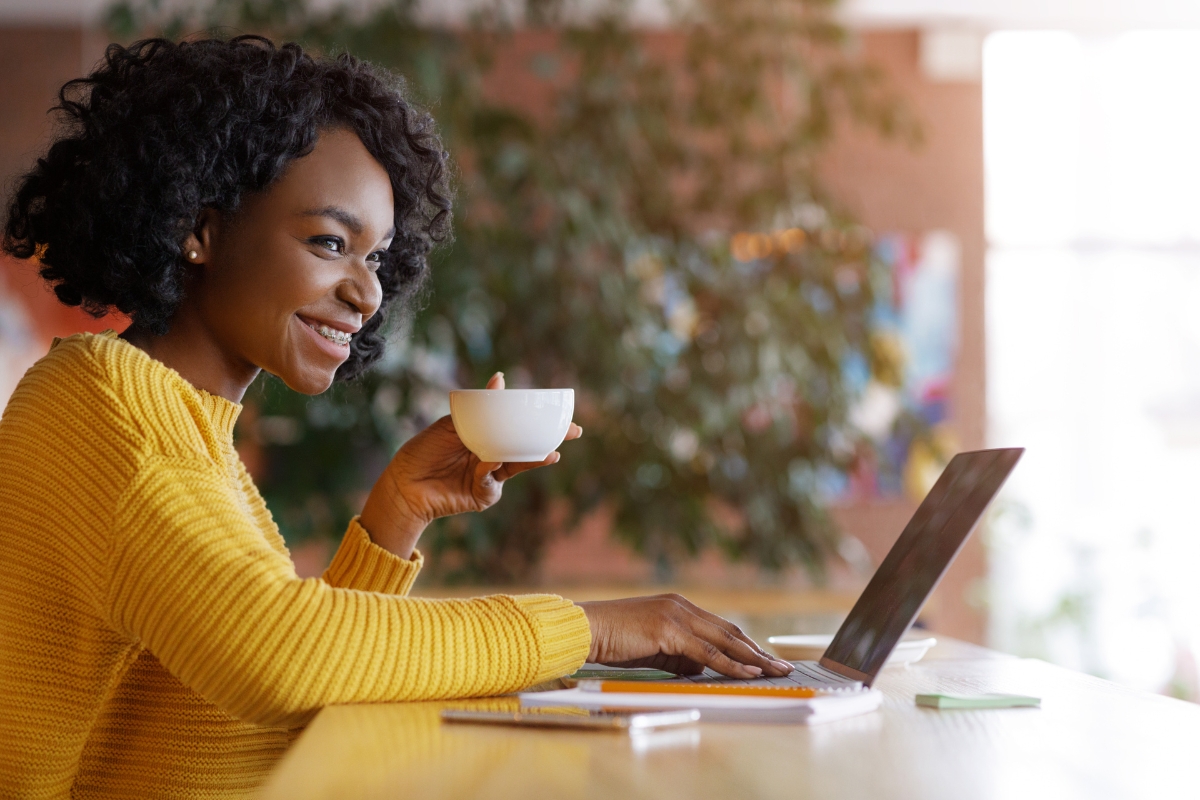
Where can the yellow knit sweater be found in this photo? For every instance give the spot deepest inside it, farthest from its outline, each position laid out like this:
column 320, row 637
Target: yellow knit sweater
column 155, row 640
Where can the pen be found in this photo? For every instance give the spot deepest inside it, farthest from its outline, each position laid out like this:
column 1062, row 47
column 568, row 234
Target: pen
column 625, row 687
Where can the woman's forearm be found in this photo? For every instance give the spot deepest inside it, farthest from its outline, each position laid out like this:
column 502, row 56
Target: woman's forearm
column 196, row 583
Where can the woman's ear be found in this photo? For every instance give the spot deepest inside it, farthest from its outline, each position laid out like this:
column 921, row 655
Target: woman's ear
column 197, row 247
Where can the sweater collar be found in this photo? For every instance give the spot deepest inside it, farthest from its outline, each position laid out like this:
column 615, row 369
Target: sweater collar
column 222, row 414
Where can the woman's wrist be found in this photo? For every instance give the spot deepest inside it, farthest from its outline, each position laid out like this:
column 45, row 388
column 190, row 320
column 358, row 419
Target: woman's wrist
column 592, row 614
column 389, row 521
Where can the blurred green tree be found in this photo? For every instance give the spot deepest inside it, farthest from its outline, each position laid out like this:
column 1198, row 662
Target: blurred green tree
column 658, row 239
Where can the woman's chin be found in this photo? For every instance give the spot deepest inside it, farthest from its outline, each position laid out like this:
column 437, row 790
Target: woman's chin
column 310, row 382
column 312, row 360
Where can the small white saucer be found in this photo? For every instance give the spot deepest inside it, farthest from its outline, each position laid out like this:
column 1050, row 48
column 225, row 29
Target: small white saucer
column 812, row 647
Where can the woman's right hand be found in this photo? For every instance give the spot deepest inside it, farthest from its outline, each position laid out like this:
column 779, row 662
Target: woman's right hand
column 669, row 633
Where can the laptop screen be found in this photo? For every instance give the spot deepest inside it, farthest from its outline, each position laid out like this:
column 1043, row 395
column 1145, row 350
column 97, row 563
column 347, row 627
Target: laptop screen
column 917, row 561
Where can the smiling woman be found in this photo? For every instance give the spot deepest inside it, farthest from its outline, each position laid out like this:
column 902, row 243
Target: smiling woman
column 249, row 208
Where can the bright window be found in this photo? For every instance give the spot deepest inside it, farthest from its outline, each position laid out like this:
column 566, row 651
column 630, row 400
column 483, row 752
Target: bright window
column 1092, row 150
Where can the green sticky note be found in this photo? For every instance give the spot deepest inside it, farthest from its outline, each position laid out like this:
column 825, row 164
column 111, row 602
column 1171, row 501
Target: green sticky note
column 978, row 701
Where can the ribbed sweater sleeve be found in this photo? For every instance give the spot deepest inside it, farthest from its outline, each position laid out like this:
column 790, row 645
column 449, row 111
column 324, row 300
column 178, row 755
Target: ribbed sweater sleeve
column 192, row 579
column 359, row 563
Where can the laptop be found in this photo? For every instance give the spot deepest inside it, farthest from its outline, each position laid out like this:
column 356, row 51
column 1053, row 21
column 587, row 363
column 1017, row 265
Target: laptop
column 905, row 579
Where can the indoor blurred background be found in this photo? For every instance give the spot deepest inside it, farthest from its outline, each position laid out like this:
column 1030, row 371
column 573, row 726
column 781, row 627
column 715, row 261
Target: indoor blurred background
column 792, row 255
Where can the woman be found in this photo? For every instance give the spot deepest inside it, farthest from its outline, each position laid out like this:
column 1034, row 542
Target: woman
column 249, row 208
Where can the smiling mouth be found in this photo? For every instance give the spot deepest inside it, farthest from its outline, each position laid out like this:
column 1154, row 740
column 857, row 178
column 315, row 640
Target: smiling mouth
column 340, row 338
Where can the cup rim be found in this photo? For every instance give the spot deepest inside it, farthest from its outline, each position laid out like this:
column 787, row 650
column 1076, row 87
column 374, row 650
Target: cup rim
column 505, row 391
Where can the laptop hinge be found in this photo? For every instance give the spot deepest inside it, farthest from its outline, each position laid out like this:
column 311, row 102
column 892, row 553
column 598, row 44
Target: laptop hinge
column 846, row 672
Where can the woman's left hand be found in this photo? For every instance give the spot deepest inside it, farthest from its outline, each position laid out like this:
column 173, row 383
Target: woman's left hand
column 435, row 475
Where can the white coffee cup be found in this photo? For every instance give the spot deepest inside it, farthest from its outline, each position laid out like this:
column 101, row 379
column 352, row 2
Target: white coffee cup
column 512, row 424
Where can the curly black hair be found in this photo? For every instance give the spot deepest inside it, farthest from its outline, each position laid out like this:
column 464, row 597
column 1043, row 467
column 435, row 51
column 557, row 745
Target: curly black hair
column 161, row 130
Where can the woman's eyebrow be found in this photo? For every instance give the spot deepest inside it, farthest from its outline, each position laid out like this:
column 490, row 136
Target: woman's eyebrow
column 338, row 214
column 341, row 215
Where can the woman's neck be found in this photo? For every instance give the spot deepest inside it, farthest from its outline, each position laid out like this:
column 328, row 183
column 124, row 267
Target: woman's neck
column 189, row 348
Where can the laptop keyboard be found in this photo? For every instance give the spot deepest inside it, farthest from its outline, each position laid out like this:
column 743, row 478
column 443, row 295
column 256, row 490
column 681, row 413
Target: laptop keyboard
column 806, row 673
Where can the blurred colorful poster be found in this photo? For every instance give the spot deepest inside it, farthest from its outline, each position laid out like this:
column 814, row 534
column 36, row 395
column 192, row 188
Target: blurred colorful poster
column 904, row 387
column 19, row 347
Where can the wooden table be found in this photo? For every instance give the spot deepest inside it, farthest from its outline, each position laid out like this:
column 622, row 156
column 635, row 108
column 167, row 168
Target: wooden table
column 1090, row 739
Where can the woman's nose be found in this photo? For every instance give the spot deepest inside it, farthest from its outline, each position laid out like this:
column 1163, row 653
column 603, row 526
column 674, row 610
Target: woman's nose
column 361, row 289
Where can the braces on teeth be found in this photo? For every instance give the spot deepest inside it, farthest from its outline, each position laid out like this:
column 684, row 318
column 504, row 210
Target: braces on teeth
column 333, row 335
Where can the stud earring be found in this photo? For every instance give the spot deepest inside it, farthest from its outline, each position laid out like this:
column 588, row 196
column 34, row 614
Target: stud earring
column 193, row 255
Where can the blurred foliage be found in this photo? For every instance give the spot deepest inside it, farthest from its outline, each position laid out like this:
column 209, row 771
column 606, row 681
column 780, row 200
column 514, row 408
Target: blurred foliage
column 595, row 248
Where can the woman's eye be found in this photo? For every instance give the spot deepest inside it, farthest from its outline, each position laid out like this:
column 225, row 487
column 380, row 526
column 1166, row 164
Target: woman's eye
column 331, row 243
column 376, row 257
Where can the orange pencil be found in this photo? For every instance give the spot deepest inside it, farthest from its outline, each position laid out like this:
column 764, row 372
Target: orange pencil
column 647, row 687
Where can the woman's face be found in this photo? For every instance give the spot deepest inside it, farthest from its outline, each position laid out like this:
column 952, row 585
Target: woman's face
column 290, row 275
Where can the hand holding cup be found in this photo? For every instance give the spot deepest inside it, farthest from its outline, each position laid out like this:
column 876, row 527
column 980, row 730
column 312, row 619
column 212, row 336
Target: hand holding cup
column 435, row 475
